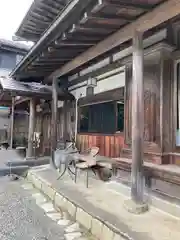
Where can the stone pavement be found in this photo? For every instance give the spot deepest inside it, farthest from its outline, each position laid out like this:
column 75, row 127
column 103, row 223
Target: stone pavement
column 25, row 213
column 8, row 155
column 100, row 208
column 21, row 218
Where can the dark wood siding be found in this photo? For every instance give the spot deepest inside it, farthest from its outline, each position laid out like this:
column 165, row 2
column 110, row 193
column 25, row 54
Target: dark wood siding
column 151, row 105
column 109, row 145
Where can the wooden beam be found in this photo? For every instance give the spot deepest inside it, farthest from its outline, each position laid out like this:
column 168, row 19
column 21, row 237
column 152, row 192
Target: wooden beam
column 72, row 44
column 137, row 120
column 110, row 21
column 160, row 14
column 28, row 34
column 80, row 37
column 57, row 3
column 40, row 16
column 12, row 122
column 50, row 17
column 45, row 64
column 22, row 100
column 52, row 59
column 124, row 3
column 32, row 112
column 39, row 21
column 32, row 29
column 84, row 30
column 50, row 8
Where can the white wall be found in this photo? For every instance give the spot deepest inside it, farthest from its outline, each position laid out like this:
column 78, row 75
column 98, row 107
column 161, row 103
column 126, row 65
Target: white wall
column 4, row 72
column 110, row 83
column 107, row 81
column 4, row 122
column 80, row 91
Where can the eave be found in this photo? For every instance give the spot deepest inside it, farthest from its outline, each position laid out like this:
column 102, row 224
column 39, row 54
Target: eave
column 39, row 17
column 11, row 87
column 96, row 22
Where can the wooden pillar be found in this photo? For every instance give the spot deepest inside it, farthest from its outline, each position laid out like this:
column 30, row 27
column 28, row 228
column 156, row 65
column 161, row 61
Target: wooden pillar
column 65, row 127
column 12, row 122
column 166, row 108
column 137, row 120
column 54, row 118
column 32, row 119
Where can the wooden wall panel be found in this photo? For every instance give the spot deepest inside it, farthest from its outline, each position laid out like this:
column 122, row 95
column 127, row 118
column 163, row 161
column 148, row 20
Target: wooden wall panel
column 46, row 134
column 151, row 104
column 21, row 126
column 109, row 145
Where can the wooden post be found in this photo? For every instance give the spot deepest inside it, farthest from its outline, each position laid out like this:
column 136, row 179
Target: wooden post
column 65, row 127
column 31, row 127
column 136, row 203
column 137, row 119
column 54, row 118
column 12, row 122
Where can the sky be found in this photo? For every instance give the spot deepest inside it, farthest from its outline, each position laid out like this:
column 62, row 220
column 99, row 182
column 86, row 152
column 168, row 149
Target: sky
column 12, row 13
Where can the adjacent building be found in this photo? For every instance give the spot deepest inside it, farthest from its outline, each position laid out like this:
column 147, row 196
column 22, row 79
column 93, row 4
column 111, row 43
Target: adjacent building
column 11, row 53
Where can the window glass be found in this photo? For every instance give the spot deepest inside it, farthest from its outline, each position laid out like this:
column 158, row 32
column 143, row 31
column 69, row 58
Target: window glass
column 7, row 60
column 120, row 116
column 105, row 118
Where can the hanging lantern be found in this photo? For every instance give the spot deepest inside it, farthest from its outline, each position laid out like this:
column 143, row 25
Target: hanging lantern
column 92, row 82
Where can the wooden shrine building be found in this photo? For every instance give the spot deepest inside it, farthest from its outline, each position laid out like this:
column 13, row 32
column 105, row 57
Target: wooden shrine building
column 120, row 59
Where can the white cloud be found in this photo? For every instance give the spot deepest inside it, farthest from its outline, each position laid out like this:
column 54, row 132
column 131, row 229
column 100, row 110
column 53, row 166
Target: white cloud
column 12, row 13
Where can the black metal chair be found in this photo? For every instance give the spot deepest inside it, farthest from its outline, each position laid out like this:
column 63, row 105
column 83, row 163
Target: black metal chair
column 64, row 160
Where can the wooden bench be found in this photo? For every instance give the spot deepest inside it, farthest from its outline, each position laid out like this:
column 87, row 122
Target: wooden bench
column 167, row 173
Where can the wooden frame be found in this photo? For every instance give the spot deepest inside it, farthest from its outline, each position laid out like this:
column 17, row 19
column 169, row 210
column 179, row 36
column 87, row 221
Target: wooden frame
column 157, row 16
column 97, row 133
column 175, row 92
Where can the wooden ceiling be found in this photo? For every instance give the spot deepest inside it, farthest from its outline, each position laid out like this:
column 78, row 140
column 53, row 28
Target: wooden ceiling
column 40, row 15
column 97, row 22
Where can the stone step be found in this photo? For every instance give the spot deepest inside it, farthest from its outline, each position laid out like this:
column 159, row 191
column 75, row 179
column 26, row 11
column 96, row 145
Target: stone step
column 159, row 201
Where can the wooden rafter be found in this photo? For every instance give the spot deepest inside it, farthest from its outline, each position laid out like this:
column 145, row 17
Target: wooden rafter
column 110, row 20
column 90, row 30
column 160, row 14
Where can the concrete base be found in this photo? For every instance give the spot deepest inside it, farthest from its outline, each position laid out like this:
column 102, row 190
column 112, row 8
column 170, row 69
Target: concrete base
column 100, row 209
column 135, row 208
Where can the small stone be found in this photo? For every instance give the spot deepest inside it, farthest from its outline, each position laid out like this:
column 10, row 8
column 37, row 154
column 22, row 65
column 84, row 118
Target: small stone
column 64, row 222
column 48, row 207
column 73, row 228
column 72, row 236
column 54, row 216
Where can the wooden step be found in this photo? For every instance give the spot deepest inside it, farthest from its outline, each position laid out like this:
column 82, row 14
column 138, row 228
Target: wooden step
column 153, row 157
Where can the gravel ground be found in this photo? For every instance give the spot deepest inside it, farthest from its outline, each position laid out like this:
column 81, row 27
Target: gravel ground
column 21, row 218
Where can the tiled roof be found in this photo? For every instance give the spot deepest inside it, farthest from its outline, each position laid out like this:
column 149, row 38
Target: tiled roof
column 32, row 89
column 12, row 85
column 13, row 44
